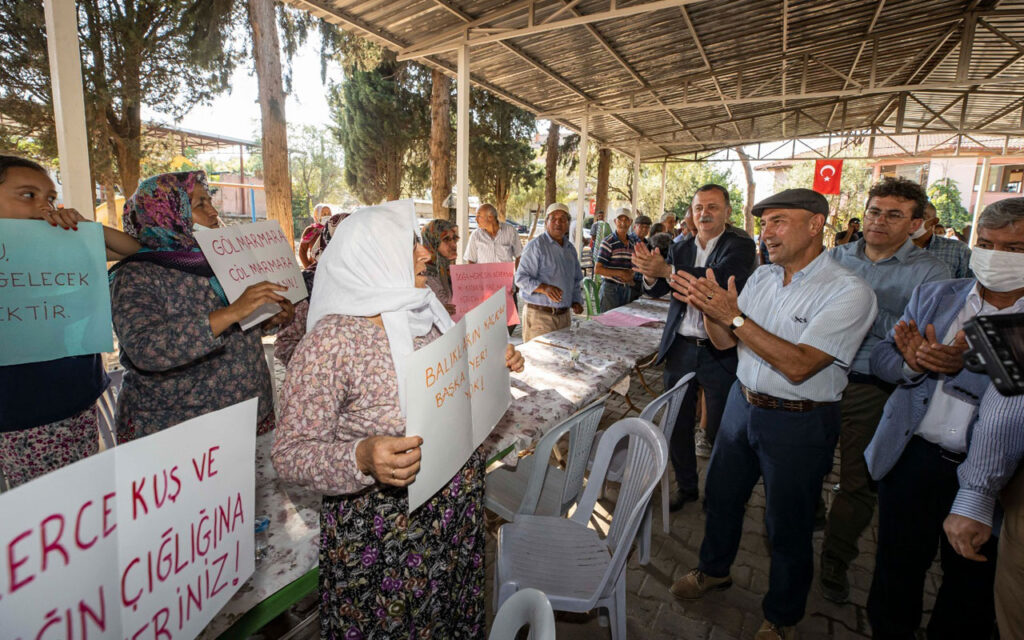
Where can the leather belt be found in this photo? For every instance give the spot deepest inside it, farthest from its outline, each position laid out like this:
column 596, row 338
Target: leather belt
column 700, row 342
column 949, row 456
column 551, row 311
column 765, row 401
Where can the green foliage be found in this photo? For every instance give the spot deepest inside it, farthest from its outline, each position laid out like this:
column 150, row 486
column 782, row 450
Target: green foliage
column 315, row 165
column 945, row 197
column 502, row 158
column 382, row 122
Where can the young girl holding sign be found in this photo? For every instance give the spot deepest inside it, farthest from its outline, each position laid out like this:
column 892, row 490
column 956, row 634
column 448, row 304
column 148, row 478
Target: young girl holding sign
column 181, row 346
column 48, row 409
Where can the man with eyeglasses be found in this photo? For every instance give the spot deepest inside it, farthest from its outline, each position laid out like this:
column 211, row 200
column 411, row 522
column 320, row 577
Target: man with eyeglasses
column 889, row 261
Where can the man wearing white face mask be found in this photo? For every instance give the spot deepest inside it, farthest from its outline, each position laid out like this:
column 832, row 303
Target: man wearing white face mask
column 954, row 253
column 926, row 433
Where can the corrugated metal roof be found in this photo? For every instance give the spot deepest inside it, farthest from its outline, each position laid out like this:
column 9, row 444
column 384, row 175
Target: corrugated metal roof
column 671, row 77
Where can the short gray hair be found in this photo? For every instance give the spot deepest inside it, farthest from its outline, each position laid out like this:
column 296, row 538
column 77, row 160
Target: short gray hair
column 1002, row 213
column 487, row 207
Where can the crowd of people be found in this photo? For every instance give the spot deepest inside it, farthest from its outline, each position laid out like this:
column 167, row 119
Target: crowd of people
column 795, row 349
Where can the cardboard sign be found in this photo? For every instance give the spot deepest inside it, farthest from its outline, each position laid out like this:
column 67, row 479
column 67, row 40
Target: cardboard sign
column 457, row 388
column 247, row 254
column 474, row 283
column 146, row 540
column 54, row 296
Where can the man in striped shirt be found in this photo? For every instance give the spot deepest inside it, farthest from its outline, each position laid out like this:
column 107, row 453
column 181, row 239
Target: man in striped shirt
column 614, row 263
column 797, row 324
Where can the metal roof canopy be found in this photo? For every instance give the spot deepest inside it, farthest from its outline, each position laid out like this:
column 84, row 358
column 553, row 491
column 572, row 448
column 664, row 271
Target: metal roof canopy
column 676, row 79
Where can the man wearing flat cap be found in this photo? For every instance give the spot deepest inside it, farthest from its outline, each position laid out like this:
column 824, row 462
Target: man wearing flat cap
column 797, row 325
column 549, row 277
column 685, row 347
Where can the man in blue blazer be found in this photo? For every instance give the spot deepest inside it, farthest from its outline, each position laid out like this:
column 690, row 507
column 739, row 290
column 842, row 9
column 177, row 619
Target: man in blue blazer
column 685, row 346
column 925, row 433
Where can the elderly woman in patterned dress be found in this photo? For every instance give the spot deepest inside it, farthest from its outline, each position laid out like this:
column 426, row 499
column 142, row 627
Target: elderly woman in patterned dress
column 181, row 346
column 441, row 238
column 384, row 573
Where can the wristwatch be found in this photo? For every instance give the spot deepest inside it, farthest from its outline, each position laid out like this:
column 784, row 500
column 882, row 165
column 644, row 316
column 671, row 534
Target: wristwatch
column 738, row 321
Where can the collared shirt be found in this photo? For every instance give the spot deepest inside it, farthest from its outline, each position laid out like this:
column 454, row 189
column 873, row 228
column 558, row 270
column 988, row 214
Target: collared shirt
column 615, row 254
column 892, row 279
column 997, row 449
column 545, row 261
column 825, row 306
column 956, row 255
column 947, row 417
column 693, row 320
column 502, row 247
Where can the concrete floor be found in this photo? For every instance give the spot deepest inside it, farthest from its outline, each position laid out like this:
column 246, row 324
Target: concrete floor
column 652, row 611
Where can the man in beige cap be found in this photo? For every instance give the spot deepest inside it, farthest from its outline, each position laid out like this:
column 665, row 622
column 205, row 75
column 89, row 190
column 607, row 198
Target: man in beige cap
column 549, row 277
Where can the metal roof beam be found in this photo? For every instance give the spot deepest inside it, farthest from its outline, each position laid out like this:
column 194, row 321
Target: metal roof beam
column 453, row 38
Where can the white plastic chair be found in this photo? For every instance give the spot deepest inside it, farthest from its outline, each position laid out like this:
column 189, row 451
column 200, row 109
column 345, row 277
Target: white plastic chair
column 107, row 405
column 670, row 401
column 534, row 486
column 564, row 557
column 527, row 607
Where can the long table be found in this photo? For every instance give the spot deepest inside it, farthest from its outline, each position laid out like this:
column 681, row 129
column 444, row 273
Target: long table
column 549, row 389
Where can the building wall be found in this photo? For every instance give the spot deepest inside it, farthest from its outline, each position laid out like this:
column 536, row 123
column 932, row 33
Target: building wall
column 228, row 200
column 961, row 170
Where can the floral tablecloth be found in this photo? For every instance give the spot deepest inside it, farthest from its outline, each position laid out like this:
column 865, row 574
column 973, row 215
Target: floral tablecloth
column 294, row 531
column 628, row 345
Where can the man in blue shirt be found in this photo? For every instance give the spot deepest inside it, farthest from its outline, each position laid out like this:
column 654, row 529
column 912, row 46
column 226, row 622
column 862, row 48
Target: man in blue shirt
column 886, row 258
column 956, row 254
column 549, row 277
column 928, row 430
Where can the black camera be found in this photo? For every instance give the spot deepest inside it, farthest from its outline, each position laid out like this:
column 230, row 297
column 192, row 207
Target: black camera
column 997, row 349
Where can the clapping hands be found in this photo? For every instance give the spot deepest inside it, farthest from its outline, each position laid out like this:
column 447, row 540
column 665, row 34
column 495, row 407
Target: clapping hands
column 925, row 353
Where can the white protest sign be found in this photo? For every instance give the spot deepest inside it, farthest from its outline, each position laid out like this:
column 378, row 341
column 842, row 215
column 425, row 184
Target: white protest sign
column 457, row 388
column 147, row 540
column 247, row 254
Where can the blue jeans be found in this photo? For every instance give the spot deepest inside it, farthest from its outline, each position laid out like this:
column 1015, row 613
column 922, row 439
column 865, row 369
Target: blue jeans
column 613, row 294
column 793, row 452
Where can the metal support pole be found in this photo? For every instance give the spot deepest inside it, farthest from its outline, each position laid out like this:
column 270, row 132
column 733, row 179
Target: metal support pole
column 69, row 105
column 462, row 149
column 636, row 179
column 581, row 209
column 982, row 185
column 664, row 178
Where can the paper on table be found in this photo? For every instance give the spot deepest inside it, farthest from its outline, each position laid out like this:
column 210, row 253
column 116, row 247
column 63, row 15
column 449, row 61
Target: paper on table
column 457, row 388
column 247, row 254
column 618, row 319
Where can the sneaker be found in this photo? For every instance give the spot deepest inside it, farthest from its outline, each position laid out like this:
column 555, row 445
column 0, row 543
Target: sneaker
column 835, row 585
column 679, row 499
column 702, row 445
column 772, row 631
column 696, row 583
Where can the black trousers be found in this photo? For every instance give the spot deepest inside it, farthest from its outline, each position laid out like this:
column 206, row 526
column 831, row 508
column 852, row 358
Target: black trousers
column 715, row 372
column 913, row 500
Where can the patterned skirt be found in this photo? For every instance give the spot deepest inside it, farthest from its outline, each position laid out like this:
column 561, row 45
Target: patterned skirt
column 386, row 574
column 30, row 453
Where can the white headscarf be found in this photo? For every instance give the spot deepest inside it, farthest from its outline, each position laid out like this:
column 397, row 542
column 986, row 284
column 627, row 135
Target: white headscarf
column 367, row 269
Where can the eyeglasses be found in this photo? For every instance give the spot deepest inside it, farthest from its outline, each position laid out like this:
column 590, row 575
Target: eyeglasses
column 890, row 216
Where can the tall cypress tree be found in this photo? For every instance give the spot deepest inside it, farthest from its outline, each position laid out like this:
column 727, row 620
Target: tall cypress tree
column 499, row 145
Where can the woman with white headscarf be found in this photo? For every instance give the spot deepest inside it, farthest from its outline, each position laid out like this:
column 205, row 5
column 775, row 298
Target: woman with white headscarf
column 384, row 573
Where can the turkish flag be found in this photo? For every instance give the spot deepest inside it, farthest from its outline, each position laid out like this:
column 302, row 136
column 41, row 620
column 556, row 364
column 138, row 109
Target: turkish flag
column 827, row 174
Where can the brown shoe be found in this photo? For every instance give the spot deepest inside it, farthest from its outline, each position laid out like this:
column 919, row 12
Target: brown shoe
column 772, row 631
column 696, row 583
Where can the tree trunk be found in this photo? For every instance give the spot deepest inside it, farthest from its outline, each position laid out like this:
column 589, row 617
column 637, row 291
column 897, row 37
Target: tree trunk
column 748, row 219
column 440, row 143
column 551, row 166
column 267, row 55
column 604, row 165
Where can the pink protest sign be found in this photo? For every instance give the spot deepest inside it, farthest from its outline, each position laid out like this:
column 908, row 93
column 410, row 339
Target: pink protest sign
column 474, row 283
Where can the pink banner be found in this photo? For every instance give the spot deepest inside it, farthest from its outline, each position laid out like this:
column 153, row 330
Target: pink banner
column 474, row 283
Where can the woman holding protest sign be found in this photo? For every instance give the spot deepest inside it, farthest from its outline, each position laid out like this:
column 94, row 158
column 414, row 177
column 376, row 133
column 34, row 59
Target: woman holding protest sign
column 441, row 238
column 41, row 431
column 181, row 346
column 384, row 572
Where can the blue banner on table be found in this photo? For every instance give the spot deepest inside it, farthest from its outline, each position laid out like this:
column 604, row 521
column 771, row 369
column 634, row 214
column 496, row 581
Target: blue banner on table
column 54, row 296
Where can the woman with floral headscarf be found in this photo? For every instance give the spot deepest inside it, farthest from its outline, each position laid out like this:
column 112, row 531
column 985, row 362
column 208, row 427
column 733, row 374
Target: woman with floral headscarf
column 181, row 346
column 441, row 238
column 289, row 336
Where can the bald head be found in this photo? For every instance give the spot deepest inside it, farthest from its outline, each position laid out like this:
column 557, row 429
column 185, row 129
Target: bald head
column 487, row 218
